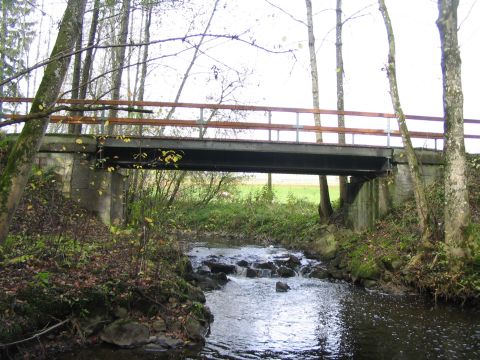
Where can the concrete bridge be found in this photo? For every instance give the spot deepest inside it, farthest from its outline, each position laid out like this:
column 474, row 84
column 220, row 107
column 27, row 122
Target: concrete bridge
column 91, row 166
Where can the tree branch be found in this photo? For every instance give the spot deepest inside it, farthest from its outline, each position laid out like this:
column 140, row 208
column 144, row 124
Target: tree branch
column 16, row 119
column 139, row 44
column 35, row 336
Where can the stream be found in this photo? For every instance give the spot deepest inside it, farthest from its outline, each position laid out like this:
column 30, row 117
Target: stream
column 320, row 319
column 315, row 319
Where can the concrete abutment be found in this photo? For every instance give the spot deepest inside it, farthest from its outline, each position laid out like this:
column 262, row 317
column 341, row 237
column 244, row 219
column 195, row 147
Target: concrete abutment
column 368, row 200
column 96, row 190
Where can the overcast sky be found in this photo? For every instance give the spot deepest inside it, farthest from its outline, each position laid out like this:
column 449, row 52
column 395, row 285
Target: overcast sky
column 284, row 80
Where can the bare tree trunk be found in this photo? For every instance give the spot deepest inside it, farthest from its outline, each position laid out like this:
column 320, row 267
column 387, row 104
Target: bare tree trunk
column 119, row 59
column 423, row 210
column 325, row 208
column 342, row 180
column 21, row 158
column 457, row 209
column 132, row 194
column 87, row 65
column 77, row 69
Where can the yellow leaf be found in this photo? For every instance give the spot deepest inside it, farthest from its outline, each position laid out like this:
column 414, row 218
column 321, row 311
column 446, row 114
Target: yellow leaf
column 79, row 141
column 106, row 123
column 38, row 173
column 29, row 207
column 100, row 192
column 148, row 220
column 40, row 107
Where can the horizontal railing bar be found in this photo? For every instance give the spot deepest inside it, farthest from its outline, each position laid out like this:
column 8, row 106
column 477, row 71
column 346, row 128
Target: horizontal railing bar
column 90, row 120
column 235, row 108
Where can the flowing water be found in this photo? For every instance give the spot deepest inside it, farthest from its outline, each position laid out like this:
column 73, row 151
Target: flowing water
column 317, row 319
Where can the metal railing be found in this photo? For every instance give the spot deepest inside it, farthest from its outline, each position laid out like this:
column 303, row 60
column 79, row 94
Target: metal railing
column 198, row 122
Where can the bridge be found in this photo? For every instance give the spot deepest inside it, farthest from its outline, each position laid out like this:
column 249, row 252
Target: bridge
column 218, row 137
column 240, row 146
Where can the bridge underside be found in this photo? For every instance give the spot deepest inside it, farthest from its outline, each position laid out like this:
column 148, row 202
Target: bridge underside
column 247, row 156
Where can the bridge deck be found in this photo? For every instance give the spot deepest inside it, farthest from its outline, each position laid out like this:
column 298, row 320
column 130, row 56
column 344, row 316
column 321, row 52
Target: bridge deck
column 247, row 156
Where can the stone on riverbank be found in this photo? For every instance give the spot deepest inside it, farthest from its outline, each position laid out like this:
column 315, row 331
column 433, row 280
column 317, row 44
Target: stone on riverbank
column 125, row 333
column 281, row 287
column 284, row 271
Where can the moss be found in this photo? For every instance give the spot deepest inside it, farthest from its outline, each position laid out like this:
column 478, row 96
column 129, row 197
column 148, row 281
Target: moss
column 365, row 268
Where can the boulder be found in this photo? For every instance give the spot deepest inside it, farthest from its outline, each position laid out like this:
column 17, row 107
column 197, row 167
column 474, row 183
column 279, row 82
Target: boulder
column 319, row 273
column 326, row 245
column 251, row 273
column 291, row 261
column 281, row 287
column 162, row 343
column 195, row 329
column 159, row 325
column 204, row 282
column 217, row 267
column 269, row 265
column 221, row 278
column 204, row 270
column 125, row 333
column 284, row 271
column 243, row 263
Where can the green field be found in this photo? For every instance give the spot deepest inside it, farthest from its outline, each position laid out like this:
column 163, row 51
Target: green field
column 283, row 192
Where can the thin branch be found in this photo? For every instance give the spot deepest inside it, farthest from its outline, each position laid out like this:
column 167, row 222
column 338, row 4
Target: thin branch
column 286, row 12
column 139, row 44
column 468, row 15
column 16, row 119
column 35, row 336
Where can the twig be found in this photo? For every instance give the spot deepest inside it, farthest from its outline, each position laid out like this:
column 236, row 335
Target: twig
column 42, row 114
column 35, row 336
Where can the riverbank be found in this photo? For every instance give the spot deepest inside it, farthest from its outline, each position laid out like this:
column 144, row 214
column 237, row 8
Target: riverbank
column 68, row 281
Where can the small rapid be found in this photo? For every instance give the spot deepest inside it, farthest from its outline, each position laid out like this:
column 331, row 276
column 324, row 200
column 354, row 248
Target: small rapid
column 321, row 319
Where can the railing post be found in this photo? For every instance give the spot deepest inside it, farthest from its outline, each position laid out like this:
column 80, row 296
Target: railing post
column 269, row 125
column 200, row 126
column 298, row 127
column 102, row 123
column 388, row 132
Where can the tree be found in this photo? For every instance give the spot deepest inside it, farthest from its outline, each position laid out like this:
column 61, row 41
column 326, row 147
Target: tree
column 119, row 58
column 457, row 208
column 342, row 180
column 423, row 210
column 325, row 208
column 21, row 158
column 15, row 39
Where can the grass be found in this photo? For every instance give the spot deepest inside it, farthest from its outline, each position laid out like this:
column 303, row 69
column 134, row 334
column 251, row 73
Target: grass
column 285, row 192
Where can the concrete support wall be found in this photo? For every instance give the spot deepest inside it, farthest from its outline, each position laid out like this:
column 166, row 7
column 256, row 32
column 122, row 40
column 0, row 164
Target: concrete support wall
column 96, row 190
column 369, row 200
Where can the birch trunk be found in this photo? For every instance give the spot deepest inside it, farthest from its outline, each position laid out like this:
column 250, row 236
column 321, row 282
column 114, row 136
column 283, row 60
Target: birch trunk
column 342, row 180
column 77, row 69
column 21, row 159
column 119, row 57
column 325, row 208
column 457, row 209
column 423, row 210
